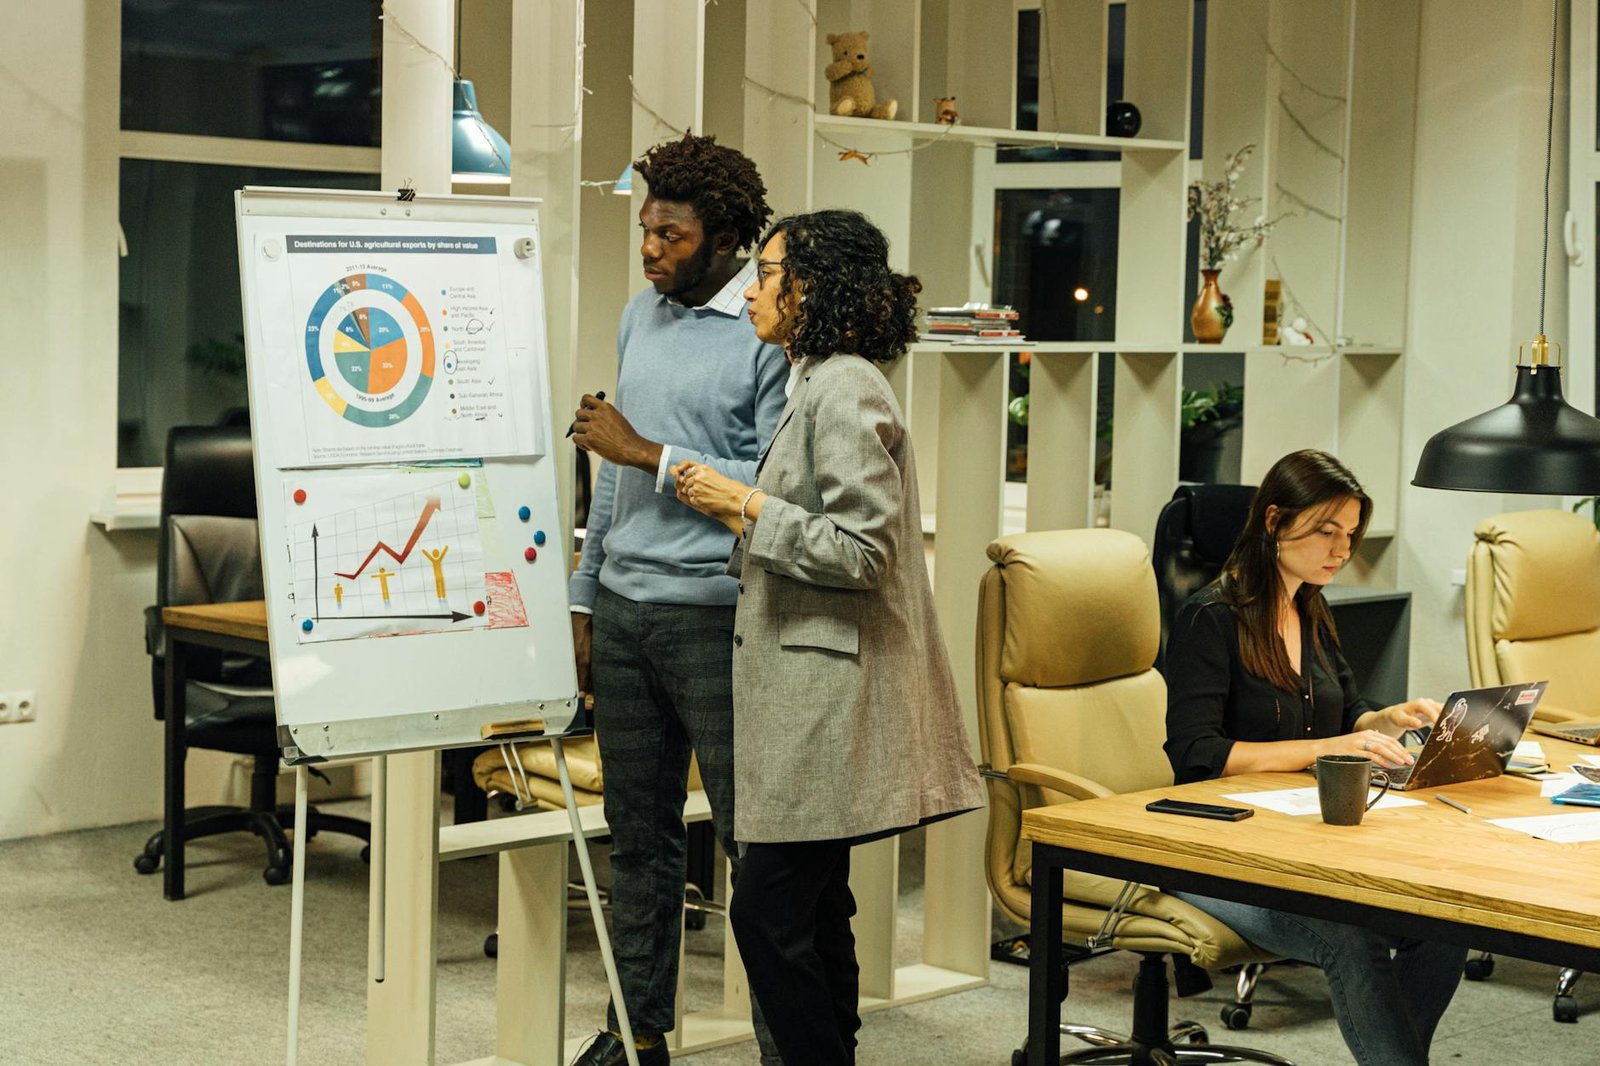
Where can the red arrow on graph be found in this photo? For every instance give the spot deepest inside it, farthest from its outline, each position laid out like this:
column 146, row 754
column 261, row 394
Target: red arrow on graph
column 427, row 512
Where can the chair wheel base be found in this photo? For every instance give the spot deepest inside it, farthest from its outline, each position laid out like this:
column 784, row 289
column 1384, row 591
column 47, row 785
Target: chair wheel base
column 1564, row 1009
column 277, row 875
column 1236, row 1016
column 491, row 946
column 1479, row 969
column 147, row 864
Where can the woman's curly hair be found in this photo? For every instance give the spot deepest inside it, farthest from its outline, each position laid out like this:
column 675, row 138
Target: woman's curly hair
column 850, row 301
column 720, row 183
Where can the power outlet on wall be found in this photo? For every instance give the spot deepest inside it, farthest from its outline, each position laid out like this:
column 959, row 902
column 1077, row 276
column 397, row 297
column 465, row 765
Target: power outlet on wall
column 18, row 706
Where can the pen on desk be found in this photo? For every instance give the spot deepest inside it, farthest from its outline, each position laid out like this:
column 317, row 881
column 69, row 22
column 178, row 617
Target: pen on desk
column 1447, row 801
column 599, row 396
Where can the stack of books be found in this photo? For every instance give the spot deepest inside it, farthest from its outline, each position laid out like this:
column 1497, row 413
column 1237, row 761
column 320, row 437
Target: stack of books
column 974, row 323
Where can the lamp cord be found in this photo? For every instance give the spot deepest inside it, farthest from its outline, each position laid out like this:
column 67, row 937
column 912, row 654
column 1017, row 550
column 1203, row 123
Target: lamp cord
column 1549, row 137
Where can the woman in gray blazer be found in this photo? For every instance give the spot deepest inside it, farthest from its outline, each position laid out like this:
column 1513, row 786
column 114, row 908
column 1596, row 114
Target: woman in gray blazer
column 846, row 722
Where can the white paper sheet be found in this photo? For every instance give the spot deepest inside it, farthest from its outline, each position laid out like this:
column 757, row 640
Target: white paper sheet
column 1555, row 784
column 1592, row 760
column 1299, row 801
column 1529, row 749
column 1561, row 828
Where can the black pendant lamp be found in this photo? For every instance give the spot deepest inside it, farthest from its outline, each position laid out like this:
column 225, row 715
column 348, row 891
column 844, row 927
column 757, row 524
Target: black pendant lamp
column 1536, row 442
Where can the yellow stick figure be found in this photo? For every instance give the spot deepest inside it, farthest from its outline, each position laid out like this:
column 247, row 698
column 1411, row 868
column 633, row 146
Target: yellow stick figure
column 382, row 578
column 338, row 595
column 437, row 559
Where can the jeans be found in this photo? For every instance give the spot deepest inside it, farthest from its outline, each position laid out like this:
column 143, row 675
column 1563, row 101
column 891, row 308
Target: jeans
column 663, row 685
column 791, row 914
column 1388, row 992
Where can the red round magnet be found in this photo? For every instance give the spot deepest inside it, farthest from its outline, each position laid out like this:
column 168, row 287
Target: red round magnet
column 530, row 554
column 478, row 608
column 299, row 495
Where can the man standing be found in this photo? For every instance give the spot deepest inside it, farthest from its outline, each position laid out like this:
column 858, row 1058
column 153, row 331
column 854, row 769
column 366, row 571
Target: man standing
column 652, row 604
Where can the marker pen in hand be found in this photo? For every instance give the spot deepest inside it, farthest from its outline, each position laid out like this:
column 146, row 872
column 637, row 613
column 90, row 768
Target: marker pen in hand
column 599, row 396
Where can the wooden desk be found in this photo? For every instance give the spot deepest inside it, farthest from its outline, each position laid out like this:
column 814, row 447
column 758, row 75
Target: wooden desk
column 1429, row 871
column 236, row 627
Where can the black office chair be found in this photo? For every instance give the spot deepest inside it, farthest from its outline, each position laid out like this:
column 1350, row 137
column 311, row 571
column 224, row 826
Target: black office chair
column 1194, row 535
column 210, row 553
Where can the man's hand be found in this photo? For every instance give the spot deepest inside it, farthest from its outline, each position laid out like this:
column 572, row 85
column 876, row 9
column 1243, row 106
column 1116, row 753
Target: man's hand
column 599, row 427
column 582, row 634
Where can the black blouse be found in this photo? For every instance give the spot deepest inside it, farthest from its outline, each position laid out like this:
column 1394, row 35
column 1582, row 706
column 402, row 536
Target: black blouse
column 1212, row 701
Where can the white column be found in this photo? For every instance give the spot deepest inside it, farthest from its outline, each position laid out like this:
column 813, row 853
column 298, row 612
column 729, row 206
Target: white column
column 418, row 35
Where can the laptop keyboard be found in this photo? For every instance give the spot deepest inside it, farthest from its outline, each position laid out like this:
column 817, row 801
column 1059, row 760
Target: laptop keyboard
column 1400, row 775
column 1587, row 732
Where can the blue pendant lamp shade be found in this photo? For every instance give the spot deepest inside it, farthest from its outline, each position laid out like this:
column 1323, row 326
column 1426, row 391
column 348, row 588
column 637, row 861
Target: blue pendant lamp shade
column 624, row 185
column 478, row 154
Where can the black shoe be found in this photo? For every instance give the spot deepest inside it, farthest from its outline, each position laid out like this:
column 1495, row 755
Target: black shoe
column 607, row 1050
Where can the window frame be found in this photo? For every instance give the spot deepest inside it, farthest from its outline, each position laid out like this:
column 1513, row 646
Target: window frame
column 137, row 489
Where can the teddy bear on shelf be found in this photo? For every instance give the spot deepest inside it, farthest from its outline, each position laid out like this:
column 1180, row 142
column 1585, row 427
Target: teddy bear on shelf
column 850, row 90
column 944, row 111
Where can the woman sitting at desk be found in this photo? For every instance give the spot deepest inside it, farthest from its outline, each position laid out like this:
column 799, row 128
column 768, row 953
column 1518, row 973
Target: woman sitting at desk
column 1256, row 682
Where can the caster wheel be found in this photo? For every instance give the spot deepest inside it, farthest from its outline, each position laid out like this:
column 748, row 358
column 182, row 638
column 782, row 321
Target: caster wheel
column 1565, row 1009
column 276, row 875
column 1019, row 1058
column 1197, row 1033
column 491, row 946
column 1236, row 1016
column 366, row 854
column 693, row 918
column 1479, row 969
column 147, row 864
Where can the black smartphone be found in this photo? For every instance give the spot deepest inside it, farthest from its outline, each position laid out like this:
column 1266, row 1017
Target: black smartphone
column 1199, row 810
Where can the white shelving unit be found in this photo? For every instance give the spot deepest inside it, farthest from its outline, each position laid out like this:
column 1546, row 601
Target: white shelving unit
column 1327, row 96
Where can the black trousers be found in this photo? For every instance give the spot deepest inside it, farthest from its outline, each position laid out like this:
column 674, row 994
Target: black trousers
column 791, row 914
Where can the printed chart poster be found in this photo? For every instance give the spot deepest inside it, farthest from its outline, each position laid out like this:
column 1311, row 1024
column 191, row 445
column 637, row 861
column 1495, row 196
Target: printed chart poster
column 394, row 350
column 387, row 553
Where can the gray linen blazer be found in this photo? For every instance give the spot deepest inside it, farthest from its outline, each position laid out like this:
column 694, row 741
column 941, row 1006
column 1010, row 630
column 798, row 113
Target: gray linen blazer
column 846, row 721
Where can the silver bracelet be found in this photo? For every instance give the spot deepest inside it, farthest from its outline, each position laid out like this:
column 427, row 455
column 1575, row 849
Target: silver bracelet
column 742, row 519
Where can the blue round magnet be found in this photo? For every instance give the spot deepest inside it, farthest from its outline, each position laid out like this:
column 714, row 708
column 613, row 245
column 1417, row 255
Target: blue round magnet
column 523, row 513
column 306, row 625
column 538, row 537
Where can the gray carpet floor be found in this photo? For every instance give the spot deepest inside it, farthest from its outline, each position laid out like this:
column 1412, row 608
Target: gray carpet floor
column 96, row 968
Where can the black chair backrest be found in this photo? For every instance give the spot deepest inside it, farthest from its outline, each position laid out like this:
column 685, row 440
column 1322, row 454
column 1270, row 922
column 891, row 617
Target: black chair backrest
column 1194, row 536
column 208, row 547
column 209, row 551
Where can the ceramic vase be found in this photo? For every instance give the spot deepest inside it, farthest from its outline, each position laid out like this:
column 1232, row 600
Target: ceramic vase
column 1213, row 311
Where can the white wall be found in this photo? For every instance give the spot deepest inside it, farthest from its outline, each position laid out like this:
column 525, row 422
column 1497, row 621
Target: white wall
column 1474, row 279
column 70, row 596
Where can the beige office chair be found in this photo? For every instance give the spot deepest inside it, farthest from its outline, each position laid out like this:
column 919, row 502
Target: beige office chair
column 1533, row 612
column 1070, row 707
column 1533, row 608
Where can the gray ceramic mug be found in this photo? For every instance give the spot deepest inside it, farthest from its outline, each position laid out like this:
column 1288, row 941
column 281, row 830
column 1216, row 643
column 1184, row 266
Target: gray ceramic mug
column 1342, row 785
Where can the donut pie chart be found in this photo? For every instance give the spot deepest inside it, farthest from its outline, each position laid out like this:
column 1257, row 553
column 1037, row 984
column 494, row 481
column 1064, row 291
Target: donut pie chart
column 370, row 350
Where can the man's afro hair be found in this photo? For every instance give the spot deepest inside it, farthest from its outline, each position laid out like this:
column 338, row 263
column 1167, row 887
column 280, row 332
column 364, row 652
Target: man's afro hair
column 721, row 183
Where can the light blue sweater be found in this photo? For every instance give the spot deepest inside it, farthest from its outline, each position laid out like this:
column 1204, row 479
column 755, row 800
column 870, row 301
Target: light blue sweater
column 699, row 382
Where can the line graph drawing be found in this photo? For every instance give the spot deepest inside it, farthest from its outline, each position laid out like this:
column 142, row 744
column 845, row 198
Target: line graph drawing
column 350, row 579
column 404, row 553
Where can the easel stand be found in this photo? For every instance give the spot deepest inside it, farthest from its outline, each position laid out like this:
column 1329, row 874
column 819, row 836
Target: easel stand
column 377, row 956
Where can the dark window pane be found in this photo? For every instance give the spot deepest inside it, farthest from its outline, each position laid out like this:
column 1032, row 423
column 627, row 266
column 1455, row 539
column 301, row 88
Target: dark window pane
column 1028, row 60
column 290, row 70
column 1052, row 246
column 180, row 328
